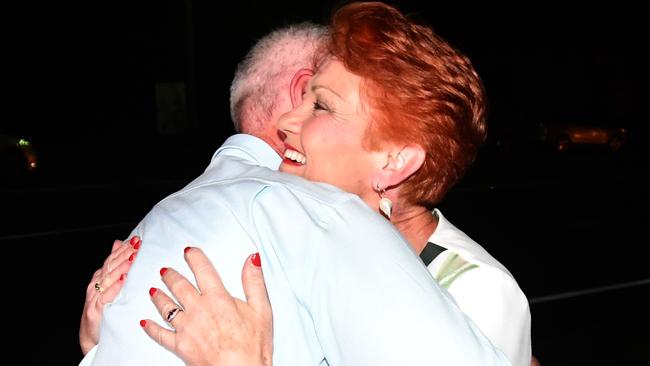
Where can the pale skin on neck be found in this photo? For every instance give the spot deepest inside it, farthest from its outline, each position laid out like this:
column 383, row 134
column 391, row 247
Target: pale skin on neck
column 416, row 223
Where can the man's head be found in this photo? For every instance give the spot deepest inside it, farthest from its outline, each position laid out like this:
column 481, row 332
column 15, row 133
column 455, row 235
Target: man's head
column 261, row 89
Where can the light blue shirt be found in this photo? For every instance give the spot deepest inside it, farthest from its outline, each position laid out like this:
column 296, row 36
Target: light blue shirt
column 345, row 287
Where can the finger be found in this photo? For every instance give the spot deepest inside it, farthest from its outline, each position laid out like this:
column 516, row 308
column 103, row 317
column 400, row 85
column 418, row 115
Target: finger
column 207, row 277
column 254, row 287
column 90, row 290
column 160, row 335
column 166, row 307
column 118, row 264
column 182, row 289
column 121, row 255
column 135, row 242
column 109, row 264
column 116, row 245
column 116, row 285
column 119, row 246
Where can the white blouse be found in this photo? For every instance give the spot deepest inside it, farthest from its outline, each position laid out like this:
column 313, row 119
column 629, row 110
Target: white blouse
column 484, row 290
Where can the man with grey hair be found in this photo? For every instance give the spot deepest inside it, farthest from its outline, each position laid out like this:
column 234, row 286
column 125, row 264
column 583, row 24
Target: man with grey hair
column 256, row 103
column 241, row 205
column 256, row 93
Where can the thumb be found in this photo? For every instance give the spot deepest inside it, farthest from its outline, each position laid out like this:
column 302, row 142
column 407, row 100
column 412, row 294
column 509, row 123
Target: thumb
column 254, row 287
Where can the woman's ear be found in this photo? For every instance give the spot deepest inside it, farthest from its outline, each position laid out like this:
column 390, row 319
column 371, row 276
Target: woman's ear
column 402, row 165
column 298, row 85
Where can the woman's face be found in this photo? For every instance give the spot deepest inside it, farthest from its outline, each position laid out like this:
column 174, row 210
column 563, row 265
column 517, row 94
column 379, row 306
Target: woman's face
column 325, row 134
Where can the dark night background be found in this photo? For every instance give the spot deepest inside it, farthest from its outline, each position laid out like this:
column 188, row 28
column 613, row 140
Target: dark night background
column 80, row 85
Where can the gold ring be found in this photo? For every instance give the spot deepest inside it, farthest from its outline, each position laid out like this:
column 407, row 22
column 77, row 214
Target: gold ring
column 99, row 287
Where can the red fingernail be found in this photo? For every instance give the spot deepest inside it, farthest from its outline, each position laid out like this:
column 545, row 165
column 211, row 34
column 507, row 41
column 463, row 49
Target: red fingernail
column 132, row 257
column 255, row 259
column 143, row 323
column 152, row 291
column 163, row 271
column 187, row 249
column 137, row 245
column 122, row 276
column 134, row 240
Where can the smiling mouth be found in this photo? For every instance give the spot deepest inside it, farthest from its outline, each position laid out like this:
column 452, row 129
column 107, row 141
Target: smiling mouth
column 294, row 157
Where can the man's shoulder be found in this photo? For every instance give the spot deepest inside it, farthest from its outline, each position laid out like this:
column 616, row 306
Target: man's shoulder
column 238, row 168
column 234, row 179
column 302, row 189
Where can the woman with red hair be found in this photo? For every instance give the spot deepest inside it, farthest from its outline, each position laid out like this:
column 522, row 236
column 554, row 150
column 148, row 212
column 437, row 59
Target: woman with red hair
column 396, row 115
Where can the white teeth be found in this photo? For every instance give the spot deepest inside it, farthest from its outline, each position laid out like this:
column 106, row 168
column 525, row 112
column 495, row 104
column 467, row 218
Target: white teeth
column 295, row 156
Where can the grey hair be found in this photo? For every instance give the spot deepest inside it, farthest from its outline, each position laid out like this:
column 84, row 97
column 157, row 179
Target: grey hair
column 267, row 70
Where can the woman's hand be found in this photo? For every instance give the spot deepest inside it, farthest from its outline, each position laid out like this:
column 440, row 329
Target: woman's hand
column 105, row 284
column 211, row 326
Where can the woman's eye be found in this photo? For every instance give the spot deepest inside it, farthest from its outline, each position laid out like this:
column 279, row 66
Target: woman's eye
column 318, row 106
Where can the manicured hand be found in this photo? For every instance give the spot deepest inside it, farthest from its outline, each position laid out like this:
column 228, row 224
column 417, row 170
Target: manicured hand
column 105, row 284
column 211, row 326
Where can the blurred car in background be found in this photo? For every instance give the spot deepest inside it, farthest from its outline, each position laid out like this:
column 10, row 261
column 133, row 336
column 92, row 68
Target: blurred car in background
column 17, row 157
column 562, row 137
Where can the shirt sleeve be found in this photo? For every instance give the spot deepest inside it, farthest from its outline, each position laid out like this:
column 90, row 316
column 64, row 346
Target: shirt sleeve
column 496, row 304
column 371, row 299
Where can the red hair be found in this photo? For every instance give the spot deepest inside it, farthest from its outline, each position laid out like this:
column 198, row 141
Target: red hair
column 419, row 89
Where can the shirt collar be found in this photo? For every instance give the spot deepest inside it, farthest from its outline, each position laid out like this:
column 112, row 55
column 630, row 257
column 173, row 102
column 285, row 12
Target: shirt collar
column 250, row 148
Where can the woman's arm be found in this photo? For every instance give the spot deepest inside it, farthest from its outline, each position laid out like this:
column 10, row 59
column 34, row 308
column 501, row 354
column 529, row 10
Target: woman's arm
column 496, row 304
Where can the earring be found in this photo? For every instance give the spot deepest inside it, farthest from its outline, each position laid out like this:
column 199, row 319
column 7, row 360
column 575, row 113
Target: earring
column 385, row 204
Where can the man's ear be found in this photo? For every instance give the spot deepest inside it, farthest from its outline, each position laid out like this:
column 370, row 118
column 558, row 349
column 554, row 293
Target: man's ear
column 402, row 164
column 298, row 85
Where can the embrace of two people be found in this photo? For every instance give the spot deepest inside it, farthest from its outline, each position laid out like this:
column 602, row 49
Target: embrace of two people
column 350, row 135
